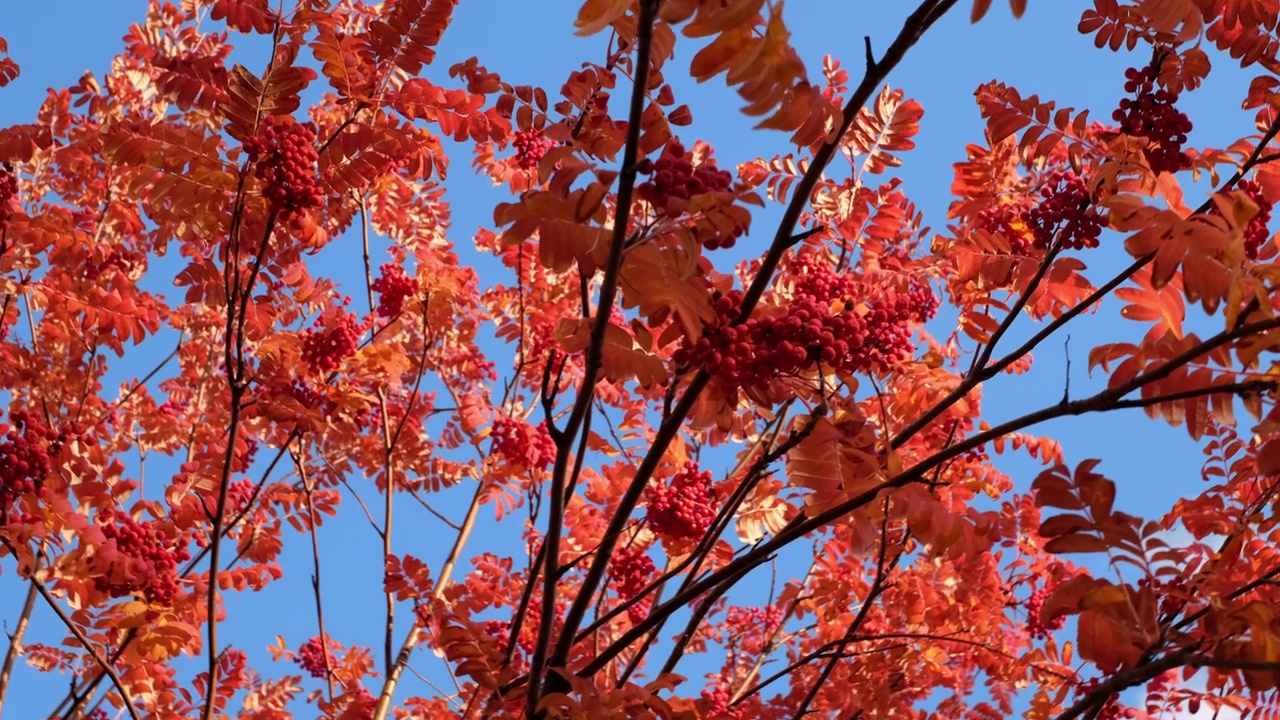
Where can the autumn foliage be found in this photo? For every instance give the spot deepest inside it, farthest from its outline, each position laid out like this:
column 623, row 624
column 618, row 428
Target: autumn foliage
column 576, row 462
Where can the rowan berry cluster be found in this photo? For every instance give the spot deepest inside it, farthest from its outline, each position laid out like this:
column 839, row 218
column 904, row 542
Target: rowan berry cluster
column 530, row 147
column 685, row 509
column 97, row 714
column 1256, row 232
column 334, row 339
column 311, row 658
column 753, row 625
column 1001, row 220
column 1035, row 627
column 1172, row 594
column 284, row 158
column 523, row 444
column 1065, row 211
column 239, row 493
column 8, row 191
column 393, row 287
column 1151, row 114
column 718, row 700
column 145, row 560
column 632, row 572
column 26, row 449
column 675, row 180
column 821, row 324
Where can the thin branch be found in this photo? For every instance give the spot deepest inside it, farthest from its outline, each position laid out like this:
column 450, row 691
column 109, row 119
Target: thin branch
column 15, row 637
column 415, row 632
column 308, row 488
column 106, row 667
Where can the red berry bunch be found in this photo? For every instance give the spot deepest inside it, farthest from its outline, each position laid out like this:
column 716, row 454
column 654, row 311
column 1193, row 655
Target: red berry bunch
column 1172, row 593
column 393, row 286
column 1256, row 232
column 284, row 158
column 999, row 220
column 753, row 625
column 25, row 451
column 1035, row 627
column 334, row 338
column 632, row 572
column 530, row 147
column 239, row 493
column 717, row 699
column 311, row 658
column 523, row 444
column 1151, row 114
column 8, row 191
column 145, row 560
column 675, row 181
column 97, row 714
column 921, row 303
column 498, row 629
column 820, row 324
column 685, row 509
column 1065, row 210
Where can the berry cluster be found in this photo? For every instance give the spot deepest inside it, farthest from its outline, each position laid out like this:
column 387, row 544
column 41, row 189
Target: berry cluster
column 530, row 147
column 8, row 191
column 284, row 156
column 675, row 180
column 311, row 658
column 1035, row 627
column 632, row 572
column 1172, row 593
column 523, row 444
column 717, row 699
column 685, row 509
column 335, row 337
column 97, row 714
column 1256, row 232
column 239, row 493
column 820, row 325
column 1065, row 211
column 393, row 286
column 1001, row 220
column 144, row 561
column 753, row 625
column 1151, row 114
column 25, row 452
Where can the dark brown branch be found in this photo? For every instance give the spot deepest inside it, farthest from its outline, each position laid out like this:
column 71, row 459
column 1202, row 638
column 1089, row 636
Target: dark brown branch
column 914, row 27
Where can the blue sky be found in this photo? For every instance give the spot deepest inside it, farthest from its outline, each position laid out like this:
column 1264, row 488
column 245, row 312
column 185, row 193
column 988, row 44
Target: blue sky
column 531, row 43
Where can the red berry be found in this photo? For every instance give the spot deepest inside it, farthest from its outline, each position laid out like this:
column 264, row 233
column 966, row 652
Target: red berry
column 393, row 287
column 311, row 658
column 675, row 179
column 685, row 509
column 523, row 444
column 25, row 452
column 1065, row 212
column 284, row 158
column 1256, row 232
column 530, row 147
column 8, row 194
column 145, row 561
column 632, row 572
column 1151, row 114
column 335, row 338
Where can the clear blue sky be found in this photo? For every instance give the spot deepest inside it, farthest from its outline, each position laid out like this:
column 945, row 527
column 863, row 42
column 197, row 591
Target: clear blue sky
column 531, row 43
